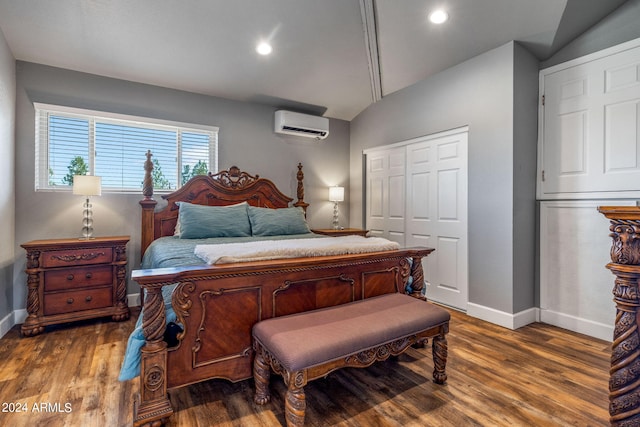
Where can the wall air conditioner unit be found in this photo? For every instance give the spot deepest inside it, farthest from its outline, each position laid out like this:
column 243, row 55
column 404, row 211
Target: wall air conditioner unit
column 290, row 123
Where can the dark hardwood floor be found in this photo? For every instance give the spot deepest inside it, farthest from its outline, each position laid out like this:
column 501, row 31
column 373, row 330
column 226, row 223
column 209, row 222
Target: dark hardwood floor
column 538, row 375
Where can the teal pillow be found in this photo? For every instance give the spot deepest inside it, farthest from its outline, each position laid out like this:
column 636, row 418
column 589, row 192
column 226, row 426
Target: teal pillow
column 200, row 221
column 277, row 222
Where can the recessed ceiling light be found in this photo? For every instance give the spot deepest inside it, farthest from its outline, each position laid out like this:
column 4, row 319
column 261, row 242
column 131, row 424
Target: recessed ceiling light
column 438, row 16
column 264, row 48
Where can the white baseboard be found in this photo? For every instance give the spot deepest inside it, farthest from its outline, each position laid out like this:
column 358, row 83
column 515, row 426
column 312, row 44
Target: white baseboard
column 10, row 320
column 6, row 324
column 577, row 324
column 133, row 300
column 20, row 316
column 501, row 318
column 561, row 320
column 17, row 317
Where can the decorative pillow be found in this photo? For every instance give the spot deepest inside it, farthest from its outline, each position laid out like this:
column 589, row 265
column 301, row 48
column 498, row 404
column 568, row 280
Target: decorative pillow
column 199, row 221
column 275, row 222
column 176, row 232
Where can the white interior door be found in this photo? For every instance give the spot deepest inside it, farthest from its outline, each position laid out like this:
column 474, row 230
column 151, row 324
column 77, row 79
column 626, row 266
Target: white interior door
column 417, row 196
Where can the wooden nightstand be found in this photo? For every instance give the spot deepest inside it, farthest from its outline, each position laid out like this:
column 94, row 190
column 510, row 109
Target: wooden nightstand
column 74, row 279
column 341, row 232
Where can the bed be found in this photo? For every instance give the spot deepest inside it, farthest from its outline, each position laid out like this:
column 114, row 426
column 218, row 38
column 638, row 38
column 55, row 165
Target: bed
column 214, row 307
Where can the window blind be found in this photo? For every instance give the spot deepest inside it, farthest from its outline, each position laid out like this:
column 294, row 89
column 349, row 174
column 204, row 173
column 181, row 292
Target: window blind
column 70, row 141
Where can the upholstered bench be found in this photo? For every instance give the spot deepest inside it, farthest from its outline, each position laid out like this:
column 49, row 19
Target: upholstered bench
column 309, row 345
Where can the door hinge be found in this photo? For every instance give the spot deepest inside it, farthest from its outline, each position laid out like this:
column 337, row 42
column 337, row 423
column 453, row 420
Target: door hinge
column 542, row 176
column 543, row 100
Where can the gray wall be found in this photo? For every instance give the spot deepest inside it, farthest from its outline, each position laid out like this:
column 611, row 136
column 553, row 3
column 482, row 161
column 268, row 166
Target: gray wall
column 246, row 139
column 7, row 176
column 478, row 93
column 525, row 143
column 620, row 26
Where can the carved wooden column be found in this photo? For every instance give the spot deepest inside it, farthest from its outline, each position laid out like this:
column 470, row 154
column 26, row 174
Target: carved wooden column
column 417, row 274
column 32, row 325
column 300, row 191
column 148, row 206
column 152, row 407
column 121, row 311
column 624, row 378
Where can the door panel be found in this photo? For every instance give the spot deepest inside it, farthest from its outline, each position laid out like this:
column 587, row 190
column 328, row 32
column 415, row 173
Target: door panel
column 385, row 200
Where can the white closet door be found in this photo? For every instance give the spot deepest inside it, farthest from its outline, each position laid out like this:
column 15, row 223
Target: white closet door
column 437, row 214
column 589, row 155
column 417, row 196
column 385, row 200
column 591, row 135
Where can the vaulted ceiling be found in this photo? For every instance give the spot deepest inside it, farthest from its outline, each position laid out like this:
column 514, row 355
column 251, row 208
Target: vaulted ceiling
column 330, row 57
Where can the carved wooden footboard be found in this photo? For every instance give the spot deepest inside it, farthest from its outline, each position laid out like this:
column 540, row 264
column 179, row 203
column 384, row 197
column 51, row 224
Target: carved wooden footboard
column 219, row 305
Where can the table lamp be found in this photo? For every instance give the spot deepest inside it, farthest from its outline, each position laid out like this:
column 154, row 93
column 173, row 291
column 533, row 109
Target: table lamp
column 87, row 185
column 336, row 194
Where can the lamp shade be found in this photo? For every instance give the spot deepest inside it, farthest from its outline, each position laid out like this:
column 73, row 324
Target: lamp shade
column 336, row 194
column 87, row 185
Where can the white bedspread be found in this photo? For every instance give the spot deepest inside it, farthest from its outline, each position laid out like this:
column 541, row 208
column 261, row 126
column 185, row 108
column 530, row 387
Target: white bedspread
column 277, row 249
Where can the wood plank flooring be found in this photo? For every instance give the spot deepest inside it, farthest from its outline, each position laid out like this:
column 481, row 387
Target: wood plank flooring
column 538, row 375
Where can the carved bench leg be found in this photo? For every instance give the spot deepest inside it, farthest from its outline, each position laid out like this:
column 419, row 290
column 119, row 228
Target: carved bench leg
column 439, row 350
column 295, row 406
column 261, row 376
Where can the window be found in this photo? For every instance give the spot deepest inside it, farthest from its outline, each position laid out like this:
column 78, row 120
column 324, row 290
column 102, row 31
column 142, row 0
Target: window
column 72, row 142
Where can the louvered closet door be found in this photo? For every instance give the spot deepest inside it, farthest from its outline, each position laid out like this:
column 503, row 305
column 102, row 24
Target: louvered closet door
column 437, row 214
column 385, row 199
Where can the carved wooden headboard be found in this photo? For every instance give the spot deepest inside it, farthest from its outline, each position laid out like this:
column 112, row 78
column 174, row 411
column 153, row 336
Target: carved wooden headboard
column 226, row 187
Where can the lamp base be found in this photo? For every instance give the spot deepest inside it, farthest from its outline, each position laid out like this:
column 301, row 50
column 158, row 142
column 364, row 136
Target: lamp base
column 87, row 221
column 335, row 223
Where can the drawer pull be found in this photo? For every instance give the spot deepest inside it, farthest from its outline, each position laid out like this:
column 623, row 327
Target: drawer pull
column 88, row 275
column 88, row 299
column 70, row 277
column 70, row 301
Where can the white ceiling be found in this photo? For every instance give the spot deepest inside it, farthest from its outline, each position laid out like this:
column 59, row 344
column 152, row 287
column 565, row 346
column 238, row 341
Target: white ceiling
column 329, row 57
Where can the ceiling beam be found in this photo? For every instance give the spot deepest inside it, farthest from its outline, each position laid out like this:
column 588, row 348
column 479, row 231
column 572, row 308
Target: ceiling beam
column 368, row 12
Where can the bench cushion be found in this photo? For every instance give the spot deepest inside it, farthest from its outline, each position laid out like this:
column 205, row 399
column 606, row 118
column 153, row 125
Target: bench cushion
column 300, row 341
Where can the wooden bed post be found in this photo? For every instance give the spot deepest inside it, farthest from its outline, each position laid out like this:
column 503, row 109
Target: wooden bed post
column 152, row 406
column 301, row 203
column 624, row 375
column 418, row 278
column 148, row 206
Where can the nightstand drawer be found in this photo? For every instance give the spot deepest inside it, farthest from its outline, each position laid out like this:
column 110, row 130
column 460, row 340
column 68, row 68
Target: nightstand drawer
column 66, row 302
column 69, row 278
column 74, row 257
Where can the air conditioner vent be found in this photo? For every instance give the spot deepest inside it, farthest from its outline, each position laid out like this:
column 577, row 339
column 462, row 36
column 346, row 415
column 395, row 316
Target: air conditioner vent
column 309, row 131
column 290, row 123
